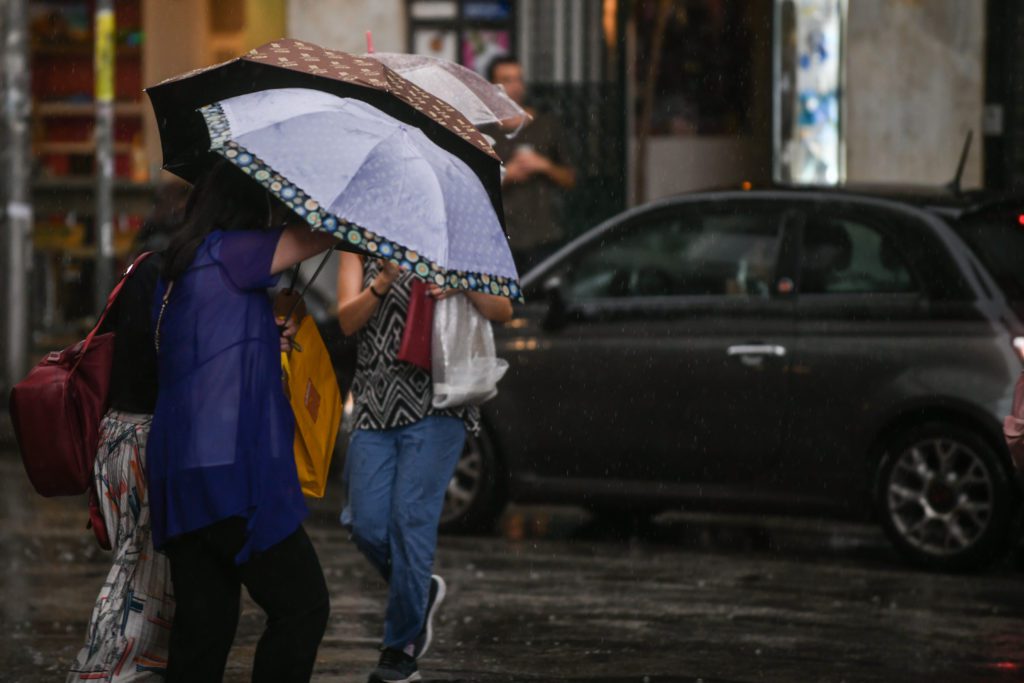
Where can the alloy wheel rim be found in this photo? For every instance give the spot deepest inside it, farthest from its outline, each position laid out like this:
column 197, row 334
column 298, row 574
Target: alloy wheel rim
column 940, row 496
column 464, row 485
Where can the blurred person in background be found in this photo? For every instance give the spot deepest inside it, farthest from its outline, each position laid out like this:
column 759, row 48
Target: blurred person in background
column 537, row 171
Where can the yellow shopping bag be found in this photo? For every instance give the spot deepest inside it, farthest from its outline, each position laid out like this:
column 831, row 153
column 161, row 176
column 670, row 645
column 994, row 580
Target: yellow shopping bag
column 312, row 389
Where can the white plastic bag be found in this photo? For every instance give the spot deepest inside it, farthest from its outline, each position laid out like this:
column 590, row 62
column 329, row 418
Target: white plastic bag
column 463, row 363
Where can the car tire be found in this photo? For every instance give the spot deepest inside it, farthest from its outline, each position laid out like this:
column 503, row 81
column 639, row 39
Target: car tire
column 476, row 496
column 944, row 497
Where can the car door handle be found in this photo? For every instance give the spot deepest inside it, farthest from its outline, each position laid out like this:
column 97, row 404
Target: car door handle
column 757, row 350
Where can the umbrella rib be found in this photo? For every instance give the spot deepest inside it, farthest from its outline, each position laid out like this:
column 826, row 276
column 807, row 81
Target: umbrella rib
column 443, row 257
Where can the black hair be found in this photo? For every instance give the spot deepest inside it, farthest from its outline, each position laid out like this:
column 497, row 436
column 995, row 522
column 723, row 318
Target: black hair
column 500, row 60
column 164, row 218
column 223, row 198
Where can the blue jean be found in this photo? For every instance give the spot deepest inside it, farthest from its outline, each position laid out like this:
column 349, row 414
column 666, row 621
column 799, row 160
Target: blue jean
column 396, row 484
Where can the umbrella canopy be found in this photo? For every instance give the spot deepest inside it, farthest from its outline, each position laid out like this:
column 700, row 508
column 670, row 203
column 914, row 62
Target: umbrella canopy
column 476, row 98
column 379, row 185
column 298, row 64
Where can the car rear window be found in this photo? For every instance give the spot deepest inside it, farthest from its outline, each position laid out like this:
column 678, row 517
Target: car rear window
column 997, row 238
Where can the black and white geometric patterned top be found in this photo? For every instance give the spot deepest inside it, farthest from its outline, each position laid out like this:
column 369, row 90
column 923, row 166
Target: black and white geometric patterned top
column 389, row 392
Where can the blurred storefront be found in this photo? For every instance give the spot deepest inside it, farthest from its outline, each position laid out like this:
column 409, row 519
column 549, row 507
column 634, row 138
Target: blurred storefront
column 656, row 96
column 816, row 92
column 700, row 83
column 154, row 39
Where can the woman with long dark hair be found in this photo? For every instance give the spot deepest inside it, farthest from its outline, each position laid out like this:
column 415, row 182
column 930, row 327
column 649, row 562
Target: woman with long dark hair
column 128, row 631
column 225, row 499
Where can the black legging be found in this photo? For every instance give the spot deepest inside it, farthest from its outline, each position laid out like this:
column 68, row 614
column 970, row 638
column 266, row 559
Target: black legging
column 285, row 580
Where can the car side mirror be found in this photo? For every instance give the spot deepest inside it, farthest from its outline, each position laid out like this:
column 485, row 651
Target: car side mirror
column 557, row 314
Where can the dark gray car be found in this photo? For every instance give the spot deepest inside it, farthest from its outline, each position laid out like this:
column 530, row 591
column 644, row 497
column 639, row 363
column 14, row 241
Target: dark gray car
column 796, row 351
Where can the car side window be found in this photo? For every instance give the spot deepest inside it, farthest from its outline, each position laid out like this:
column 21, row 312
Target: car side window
column 723, row 253
column 843, row 256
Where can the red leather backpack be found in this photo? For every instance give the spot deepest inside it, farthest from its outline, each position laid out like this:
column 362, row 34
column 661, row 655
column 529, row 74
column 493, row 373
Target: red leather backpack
column 58, row 407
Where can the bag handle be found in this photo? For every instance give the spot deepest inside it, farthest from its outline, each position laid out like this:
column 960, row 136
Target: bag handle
column 295, row 278
column 110, row 302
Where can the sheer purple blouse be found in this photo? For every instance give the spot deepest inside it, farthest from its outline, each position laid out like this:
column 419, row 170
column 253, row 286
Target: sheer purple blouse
column 222, row 436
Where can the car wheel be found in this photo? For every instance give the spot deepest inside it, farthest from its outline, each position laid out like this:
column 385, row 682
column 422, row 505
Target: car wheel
column 474, row 499
column 945, row 498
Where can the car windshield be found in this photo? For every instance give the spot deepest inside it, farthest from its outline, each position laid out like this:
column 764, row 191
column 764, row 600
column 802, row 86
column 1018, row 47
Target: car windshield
column 997, row 238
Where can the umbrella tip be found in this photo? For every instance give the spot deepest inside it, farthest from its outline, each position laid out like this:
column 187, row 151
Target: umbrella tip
column 369, row 42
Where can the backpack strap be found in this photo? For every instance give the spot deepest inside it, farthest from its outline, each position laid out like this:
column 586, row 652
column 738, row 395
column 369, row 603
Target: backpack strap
column 110, row 301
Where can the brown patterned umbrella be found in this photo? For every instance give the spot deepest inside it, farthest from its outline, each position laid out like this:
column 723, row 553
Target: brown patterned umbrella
column 291, row 63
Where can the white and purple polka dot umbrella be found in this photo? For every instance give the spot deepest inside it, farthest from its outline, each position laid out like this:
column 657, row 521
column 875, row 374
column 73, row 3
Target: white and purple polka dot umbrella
column 376, row 183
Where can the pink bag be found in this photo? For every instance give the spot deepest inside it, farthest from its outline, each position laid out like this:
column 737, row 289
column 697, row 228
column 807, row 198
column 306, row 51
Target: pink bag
column 57, row 410
column 1013, row 425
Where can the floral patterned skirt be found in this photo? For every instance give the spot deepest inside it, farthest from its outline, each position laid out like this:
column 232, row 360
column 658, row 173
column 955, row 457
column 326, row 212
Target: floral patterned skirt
column 131, row 623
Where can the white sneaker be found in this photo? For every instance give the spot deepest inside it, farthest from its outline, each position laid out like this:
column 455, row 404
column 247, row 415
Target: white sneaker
column 434, row 600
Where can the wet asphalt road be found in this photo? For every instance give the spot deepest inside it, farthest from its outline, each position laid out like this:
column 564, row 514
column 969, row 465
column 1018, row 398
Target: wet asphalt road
column 558, row 597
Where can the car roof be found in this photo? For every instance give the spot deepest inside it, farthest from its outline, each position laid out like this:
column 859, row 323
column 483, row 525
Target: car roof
column 940, row 200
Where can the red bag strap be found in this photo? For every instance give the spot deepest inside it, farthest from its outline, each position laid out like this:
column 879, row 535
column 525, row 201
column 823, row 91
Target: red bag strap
column 112, row 298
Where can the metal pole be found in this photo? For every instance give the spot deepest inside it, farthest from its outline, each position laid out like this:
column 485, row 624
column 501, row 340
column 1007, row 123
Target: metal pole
column 104, row 72
column 18, row 213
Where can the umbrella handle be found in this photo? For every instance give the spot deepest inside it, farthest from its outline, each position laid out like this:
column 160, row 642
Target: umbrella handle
column 295, row 277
